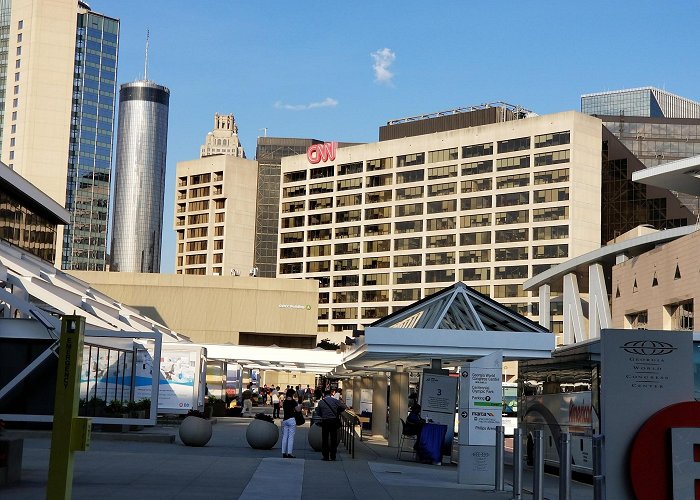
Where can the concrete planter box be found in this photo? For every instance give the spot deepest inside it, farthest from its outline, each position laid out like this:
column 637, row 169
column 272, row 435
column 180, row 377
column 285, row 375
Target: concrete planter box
column 262, row 435
column 195, row 431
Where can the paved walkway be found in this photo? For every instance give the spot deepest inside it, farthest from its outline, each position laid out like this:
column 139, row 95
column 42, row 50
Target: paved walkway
column 227, row 468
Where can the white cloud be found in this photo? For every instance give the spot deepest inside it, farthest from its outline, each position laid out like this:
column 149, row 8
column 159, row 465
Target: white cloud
column 328, row 102
column 383, row 58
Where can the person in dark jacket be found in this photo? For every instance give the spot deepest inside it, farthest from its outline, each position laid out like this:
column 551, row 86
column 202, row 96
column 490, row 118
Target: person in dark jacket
column 329, row 409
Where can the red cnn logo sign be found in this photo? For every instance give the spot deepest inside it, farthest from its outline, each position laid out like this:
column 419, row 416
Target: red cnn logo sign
column 321, row 152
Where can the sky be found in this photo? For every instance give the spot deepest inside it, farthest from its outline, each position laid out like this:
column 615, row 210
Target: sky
column 337, row 71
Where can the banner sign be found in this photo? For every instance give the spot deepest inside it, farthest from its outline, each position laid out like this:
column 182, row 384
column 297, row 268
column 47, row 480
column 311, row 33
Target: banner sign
column 642, row 371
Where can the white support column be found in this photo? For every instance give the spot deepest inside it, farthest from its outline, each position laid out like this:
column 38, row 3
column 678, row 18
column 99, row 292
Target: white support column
column 366, row 401
column 573, row 313
column 356, row 388
column 545, row 306
column 379, row 405
column 398, row 404
column 599, row 316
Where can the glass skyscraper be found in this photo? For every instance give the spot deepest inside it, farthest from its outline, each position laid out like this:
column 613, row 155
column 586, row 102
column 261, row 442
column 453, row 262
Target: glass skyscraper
column 139, row 177
column 91, row 139
column 655, row 125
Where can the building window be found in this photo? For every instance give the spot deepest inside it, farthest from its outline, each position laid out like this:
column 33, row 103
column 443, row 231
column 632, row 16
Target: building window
column 439, row 259
column 550, row 233
column 411, row 159
column 297, row 176
column 379, row 180
column 407, row 278
column 476, row 274
column 407, row 243
column 350, row 168
column 316, row 204
column 547, row 214
column 476, row 220
column 409, row 193
column 512, row 145
column 409, row 210
column 511, row 253
column 638, row 320
column 412, row 226
column 443, row 240
column 472, row 256
column 408, row 294
column 318, row 235
column 19, row 37
column 554, row 139
column 378, row 197
column 442, row 172
column 289, row 207
column 12, row 155
column 377, row 229
column 476, row 185
column 552, row 158
column 477, row 150
column 348, row 200
column 17, row 76
column 476, row 203
column 20, row 24
column 479, row 167
column 512, row 181
column 513, row 163
column 481, row 238
column 376, row 263
column 552, row 176
column 445, row 189
column 440, row 276
column 550, row 195
column 441, row 224
column 379, row 164
column 16, row 90
column 410, row 176
column 443, row 155
column 681, row 315
column 377, row 246
column 408, row 260
column 439, row 207
column 19, row 51
column 550, row 251
column 513, row 217
column 344, row 185
column 512, row 199
column 295, row 237
column 348, row 216
column 512, row 235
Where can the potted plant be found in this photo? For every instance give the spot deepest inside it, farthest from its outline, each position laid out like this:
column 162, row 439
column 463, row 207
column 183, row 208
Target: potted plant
column 195, row 430
column 116, row 409
column 218, row 406
column 138, row 409
column 262, row 432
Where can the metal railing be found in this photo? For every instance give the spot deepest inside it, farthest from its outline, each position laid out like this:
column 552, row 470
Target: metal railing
column 346, row 433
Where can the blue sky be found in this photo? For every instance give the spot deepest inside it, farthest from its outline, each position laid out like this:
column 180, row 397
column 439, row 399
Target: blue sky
column 306, row 68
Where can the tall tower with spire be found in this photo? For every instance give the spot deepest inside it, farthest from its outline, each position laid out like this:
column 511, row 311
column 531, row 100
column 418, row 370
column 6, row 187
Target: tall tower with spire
column 142, row 142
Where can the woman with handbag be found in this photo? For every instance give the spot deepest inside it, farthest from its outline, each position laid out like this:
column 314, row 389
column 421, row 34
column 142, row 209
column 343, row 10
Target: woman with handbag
column 289, row 423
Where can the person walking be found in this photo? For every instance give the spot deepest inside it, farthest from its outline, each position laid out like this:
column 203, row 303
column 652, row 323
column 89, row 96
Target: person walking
column 276, row 402
column 289, row 423
column 329, row 409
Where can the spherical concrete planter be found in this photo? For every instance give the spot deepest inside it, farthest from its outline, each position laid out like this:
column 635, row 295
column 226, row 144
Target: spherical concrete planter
column 315, row 437
column 195, row 431
column 262, row 435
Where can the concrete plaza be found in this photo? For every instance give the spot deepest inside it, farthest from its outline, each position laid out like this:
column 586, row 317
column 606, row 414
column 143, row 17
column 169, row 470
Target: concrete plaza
column 148, row 466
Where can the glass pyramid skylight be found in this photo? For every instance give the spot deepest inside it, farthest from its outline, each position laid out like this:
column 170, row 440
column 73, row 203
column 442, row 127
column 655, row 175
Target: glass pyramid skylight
column 459, row 307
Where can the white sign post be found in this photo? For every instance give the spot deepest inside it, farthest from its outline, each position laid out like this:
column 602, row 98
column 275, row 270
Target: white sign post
column 480, row 407
column 438, row 398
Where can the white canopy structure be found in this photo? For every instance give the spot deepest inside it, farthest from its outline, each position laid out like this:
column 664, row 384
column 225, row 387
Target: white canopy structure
column 455, row 325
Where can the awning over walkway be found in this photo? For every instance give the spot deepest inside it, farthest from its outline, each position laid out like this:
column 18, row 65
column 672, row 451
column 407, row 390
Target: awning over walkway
column 317, row 360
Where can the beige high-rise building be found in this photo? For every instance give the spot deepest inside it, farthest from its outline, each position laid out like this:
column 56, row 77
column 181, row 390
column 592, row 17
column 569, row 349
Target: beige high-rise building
column 384, row 224
column 57, row 126
column 215, row 207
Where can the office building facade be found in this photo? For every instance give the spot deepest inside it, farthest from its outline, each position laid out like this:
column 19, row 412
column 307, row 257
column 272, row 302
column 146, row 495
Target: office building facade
column 648, row 102
column 142, row 143
column 269, row 153
column 58, row 121
column 28, row 217
column 384, row 224
column 655, row 125
column 215, row 207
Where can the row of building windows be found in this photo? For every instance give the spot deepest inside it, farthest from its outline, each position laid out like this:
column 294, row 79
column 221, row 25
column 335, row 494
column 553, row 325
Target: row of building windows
column 416, row 243
column 449, row 154
column 414, row 209
column 415, row 260
column 442, row 172
column 444, row 189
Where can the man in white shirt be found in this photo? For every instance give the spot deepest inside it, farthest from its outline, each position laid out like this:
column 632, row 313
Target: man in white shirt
column 276, row 402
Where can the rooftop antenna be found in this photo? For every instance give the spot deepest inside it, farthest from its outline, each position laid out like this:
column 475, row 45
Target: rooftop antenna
column 145, row 65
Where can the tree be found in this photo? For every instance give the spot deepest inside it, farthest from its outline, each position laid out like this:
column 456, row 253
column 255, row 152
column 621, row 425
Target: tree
column 328, row 345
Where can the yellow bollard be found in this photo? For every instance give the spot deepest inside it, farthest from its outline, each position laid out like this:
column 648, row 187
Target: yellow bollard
column 70, row 432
